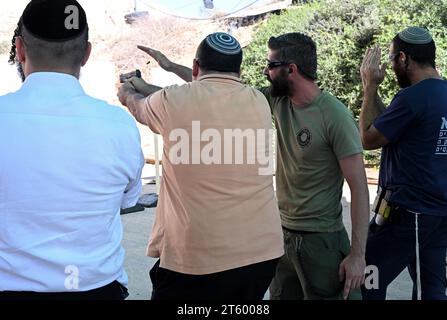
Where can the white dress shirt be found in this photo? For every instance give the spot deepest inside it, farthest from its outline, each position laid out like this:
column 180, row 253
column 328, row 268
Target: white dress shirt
column 68, row 162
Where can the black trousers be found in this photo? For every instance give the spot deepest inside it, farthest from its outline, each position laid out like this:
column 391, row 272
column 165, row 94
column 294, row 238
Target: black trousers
column 112, row 291
column 245, row 283
column 391, row 247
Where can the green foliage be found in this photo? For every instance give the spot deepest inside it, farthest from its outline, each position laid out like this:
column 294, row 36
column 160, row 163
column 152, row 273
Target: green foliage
column 343, row 30
column 372, row 157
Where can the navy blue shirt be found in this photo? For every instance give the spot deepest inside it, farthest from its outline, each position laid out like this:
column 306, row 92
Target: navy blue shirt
column 414, row 163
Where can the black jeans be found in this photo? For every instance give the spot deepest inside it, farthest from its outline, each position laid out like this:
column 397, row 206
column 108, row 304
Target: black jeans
column 246, row 283
column 112, row 291
column 392, row 248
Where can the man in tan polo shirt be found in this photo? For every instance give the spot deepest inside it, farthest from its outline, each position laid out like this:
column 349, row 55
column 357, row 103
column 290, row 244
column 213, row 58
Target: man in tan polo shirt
column 217, row 230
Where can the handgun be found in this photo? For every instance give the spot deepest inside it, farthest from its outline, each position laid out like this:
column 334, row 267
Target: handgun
column 127, row 76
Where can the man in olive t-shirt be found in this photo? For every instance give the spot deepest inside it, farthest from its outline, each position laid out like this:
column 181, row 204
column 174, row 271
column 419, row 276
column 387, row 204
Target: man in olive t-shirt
column 318, row 147
column 309, row 179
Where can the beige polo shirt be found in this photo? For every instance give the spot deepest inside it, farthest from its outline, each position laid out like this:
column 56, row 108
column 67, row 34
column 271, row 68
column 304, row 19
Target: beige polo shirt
column 217, row 209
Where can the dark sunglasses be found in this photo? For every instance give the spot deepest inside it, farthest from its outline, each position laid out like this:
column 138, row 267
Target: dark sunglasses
column 393, row 56
column 275, row 64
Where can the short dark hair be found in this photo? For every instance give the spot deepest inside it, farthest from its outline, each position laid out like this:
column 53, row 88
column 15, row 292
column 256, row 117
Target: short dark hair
column 422, row 54
column 212, row 60
column 55, row 53
column 299, row 49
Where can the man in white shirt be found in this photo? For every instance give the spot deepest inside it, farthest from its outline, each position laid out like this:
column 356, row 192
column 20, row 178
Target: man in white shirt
column 68, row 164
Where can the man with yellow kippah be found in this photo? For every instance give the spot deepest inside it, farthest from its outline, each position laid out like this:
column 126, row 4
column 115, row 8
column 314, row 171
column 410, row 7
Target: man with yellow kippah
column 410, row 226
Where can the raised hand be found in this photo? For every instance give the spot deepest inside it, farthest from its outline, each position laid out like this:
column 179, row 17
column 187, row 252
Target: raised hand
column 371, row 71
column 161, row 59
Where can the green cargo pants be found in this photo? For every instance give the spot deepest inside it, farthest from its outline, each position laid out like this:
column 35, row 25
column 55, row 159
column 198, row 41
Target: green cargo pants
column 309, row 268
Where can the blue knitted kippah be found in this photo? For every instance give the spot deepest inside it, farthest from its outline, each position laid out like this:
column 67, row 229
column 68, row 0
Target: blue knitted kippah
column 54, row 20
column 415, row 35
column 223, row 43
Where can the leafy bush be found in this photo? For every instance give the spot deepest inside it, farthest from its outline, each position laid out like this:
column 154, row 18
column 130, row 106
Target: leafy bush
column 343, row 29
column 255, row 54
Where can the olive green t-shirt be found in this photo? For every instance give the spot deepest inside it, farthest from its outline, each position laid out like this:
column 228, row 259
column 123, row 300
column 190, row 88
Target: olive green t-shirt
column 311, row 141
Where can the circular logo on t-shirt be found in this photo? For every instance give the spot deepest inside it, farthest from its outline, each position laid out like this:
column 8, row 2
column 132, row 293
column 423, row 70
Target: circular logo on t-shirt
column 304, row 137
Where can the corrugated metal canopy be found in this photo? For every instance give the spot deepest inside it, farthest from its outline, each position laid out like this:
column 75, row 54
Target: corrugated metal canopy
column 209, row 9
